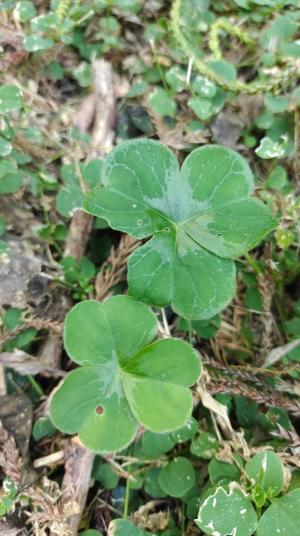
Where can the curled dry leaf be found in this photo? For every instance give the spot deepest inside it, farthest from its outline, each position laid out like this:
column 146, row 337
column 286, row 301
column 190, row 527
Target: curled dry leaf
column 145, row 519
column 24, row 364
column 277, row 353
column 216, row 407
column 8, row 529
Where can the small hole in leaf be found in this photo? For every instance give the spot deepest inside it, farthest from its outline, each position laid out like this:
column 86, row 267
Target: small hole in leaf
column 99, row 410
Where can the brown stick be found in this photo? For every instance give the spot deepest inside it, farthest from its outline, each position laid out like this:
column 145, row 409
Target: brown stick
column 50, row 350
column 271, row 399
column 78, row 235
column 79, row 460
column 112, row 270
column 76, row 482
column 102, row 143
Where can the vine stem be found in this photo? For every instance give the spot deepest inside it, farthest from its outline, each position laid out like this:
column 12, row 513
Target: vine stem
column 221, row 24
column 273, row 83
column 62, row 9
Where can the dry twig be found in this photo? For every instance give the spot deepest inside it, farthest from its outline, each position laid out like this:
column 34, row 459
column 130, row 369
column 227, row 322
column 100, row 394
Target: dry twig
column 112, row 271
column 10, row 460
column 264, row 396
column 266, row 288
column 277, row 353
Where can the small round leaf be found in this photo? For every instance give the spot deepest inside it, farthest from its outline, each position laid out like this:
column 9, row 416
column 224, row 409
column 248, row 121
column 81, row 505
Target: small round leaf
column 177, row 477
column 266, row 470
column 154, row 445
column 222, row 472
column 282, row 518
column 186, row 432
column 105, row 474
column 205, row 445
column 124, row 527
column 10, row 98
column 34, row 42
column 161, row 102
column 227, row 512
column 24, row 11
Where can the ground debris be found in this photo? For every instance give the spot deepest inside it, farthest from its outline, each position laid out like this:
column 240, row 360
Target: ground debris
column 16, row 268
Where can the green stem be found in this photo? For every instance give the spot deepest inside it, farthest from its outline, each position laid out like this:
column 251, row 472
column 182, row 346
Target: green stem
column 214, row 42
column 253, row 263
column 286, row 76
column 35, row 385
column 127, row 495
column 258, row 511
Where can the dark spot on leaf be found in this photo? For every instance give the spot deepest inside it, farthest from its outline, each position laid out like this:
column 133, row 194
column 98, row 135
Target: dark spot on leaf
column 99, row 410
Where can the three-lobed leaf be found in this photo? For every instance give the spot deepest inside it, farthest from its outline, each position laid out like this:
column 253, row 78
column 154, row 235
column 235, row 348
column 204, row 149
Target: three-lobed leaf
column 201, row 217
column 124, row 378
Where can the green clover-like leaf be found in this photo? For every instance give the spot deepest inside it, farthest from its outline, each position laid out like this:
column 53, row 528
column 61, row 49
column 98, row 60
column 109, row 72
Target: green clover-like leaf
column 266, row 470
column 282, row 517
column 201, row 218
column 177, row 477
column 10, row 98
column 227, row 512
column 124, row 378
column 124, row 527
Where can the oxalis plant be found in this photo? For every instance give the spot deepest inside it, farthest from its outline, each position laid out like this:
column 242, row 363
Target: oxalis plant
column 252, row 502
column 255, row 507
column 125, row 378
column 198, row 220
